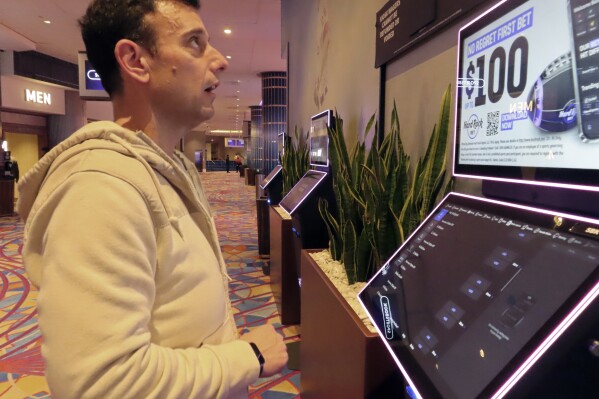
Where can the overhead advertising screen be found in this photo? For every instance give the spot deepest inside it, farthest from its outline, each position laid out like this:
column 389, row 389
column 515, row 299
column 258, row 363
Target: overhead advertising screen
column 480, row 292
column 90, row 85
column 234, row 142
column 92, row 79
column 528, row 93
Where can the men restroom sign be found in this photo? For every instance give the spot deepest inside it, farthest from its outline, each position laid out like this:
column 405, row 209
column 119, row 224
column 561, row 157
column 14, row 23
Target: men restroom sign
column 38, row 97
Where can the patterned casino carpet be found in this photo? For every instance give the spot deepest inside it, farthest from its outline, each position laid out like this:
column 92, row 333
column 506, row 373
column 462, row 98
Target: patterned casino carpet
column 21, row 365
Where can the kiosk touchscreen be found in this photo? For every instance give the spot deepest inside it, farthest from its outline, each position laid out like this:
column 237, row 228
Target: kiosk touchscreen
column 273, row 185
column 301, row 191
column 480, row 292
column 308, row 227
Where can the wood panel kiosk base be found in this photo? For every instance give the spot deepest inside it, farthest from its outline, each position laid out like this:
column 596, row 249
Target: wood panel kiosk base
column 340, row 357
column 283, row 270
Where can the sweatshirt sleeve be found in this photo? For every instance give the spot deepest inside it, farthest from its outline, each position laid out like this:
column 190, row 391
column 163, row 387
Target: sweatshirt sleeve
column 94, row 245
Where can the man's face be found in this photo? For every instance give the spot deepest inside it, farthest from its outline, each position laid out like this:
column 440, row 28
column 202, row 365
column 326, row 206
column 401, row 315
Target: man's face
column 184, row 71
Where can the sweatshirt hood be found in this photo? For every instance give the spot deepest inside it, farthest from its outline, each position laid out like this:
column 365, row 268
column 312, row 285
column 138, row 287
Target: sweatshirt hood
column 107, row 136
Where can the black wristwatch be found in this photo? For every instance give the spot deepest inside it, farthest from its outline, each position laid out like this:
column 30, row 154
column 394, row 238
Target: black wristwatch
column 259, row 356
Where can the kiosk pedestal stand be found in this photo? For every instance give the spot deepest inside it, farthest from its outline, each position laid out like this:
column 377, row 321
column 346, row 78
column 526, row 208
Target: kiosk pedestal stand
column 283, row 270
column 268, row 192
column 308, row 229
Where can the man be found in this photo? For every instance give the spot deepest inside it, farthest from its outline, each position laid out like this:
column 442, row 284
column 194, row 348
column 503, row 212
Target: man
column 237, row 161
column 133, row 298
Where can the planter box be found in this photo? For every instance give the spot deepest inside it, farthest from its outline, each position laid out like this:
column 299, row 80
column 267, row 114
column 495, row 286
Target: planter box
column 339, row 356
column 283, row 269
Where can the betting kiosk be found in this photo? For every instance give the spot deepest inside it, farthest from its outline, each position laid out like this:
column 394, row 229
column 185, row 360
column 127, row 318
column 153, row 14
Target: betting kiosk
column 309, row 230
column 301, row 216
column 301, row 203
column 490, row 298
column 272, row 185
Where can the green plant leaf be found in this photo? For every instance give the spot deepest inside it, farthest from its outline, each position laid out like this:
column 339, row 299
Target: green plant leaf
column 381, row 199
column 349, row 249
column 332, row 228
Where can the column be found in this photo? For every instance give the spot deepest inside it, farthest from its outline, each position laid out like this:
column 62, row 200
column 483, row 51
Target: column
column 255, row 146
column 274, row 116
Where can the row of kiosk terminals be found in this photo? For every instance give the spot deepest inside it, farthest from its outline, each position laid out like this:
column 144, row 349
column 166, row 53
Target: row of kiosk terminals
column 496, row 295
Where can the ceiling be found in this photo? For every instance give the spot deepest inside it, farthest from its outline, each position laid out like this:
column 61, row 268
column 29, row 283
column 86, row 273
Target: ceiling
column 254, row 44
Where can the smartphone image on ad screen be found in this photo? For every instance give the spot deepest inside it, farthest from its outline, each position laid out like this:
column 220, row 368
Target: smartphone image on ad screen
column 584, row 23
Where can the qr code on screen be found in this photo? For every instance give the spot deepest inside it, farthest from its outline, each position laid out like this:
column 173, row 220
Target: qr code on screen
column 492, row 123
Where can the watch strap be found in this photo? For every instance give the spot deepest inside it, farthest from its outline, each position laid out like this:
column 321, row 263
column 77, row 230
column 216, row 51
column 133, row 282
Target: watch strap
column 258, row 356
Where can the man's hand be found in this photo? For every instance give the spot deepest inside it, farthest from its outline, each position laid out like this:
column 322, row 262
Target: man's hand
column 270, row 343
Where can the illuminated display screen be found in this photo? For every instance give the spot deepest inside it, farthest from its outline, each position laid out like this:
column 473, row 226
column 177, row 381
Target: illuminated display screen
column 271, row 176
column 90, row 85
column 477, row 290
column 319, row 138
column 92, row 79
column 234, row 143
column 301, row 190
column 527, row 103
column 281, row 145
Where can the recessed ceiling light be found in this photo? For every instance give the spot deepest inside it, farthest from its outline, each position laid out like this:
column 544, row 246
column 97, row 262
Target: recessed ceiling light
column 228, row 57
column 228, row 31
column 47, row 21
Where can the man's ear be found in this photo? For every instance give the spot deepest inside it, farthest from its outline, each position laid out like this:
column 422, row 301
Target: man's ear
column 132, row 59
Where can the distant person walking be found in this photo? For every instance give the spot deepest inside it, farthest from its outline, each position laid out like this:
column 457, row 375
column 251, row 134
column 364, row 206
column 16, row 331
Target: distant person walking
column 237, row 161
column 227, row 162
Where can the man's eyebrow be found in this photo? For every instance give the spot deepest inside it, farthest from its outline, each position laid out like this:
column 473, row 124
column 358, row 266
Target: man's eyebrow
column 198, row 32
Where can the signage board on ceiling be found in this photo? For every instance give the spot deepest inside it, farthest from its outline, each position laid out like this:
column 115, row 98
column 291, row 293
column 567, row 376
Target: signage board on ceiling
column 24, row 94
column 403, row 24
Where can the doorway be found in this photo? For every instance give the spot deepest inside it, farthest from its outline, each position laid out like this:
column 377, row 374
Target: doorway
column 24, row 150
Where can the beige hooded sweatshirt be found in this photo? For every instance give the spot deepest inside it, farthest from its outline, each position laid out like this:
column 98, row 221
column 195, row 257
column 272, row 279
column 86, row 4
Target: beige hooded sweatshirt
column 133, row 298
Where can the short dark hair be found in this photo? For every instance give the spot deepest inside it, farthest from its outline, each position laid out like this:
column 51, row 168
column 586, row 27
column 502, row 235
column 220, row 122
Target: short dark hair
column 106, row 22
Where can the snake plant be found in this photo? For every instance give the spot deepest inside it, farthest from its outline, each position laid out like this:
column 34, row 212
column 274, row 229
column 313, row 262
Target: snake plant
column 348, row 241
column 381, row 200
column 295, row 160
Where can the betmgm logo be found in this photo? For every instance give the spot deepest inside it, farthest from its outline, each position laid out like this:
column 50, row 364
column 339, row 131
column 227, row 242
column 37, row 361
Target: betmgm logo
column 387, row 319
column 473, row 125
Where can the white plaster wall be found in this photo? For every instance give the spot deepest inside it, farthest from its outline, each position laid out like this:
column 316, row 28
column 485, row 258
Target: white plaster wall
column 331, row 61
